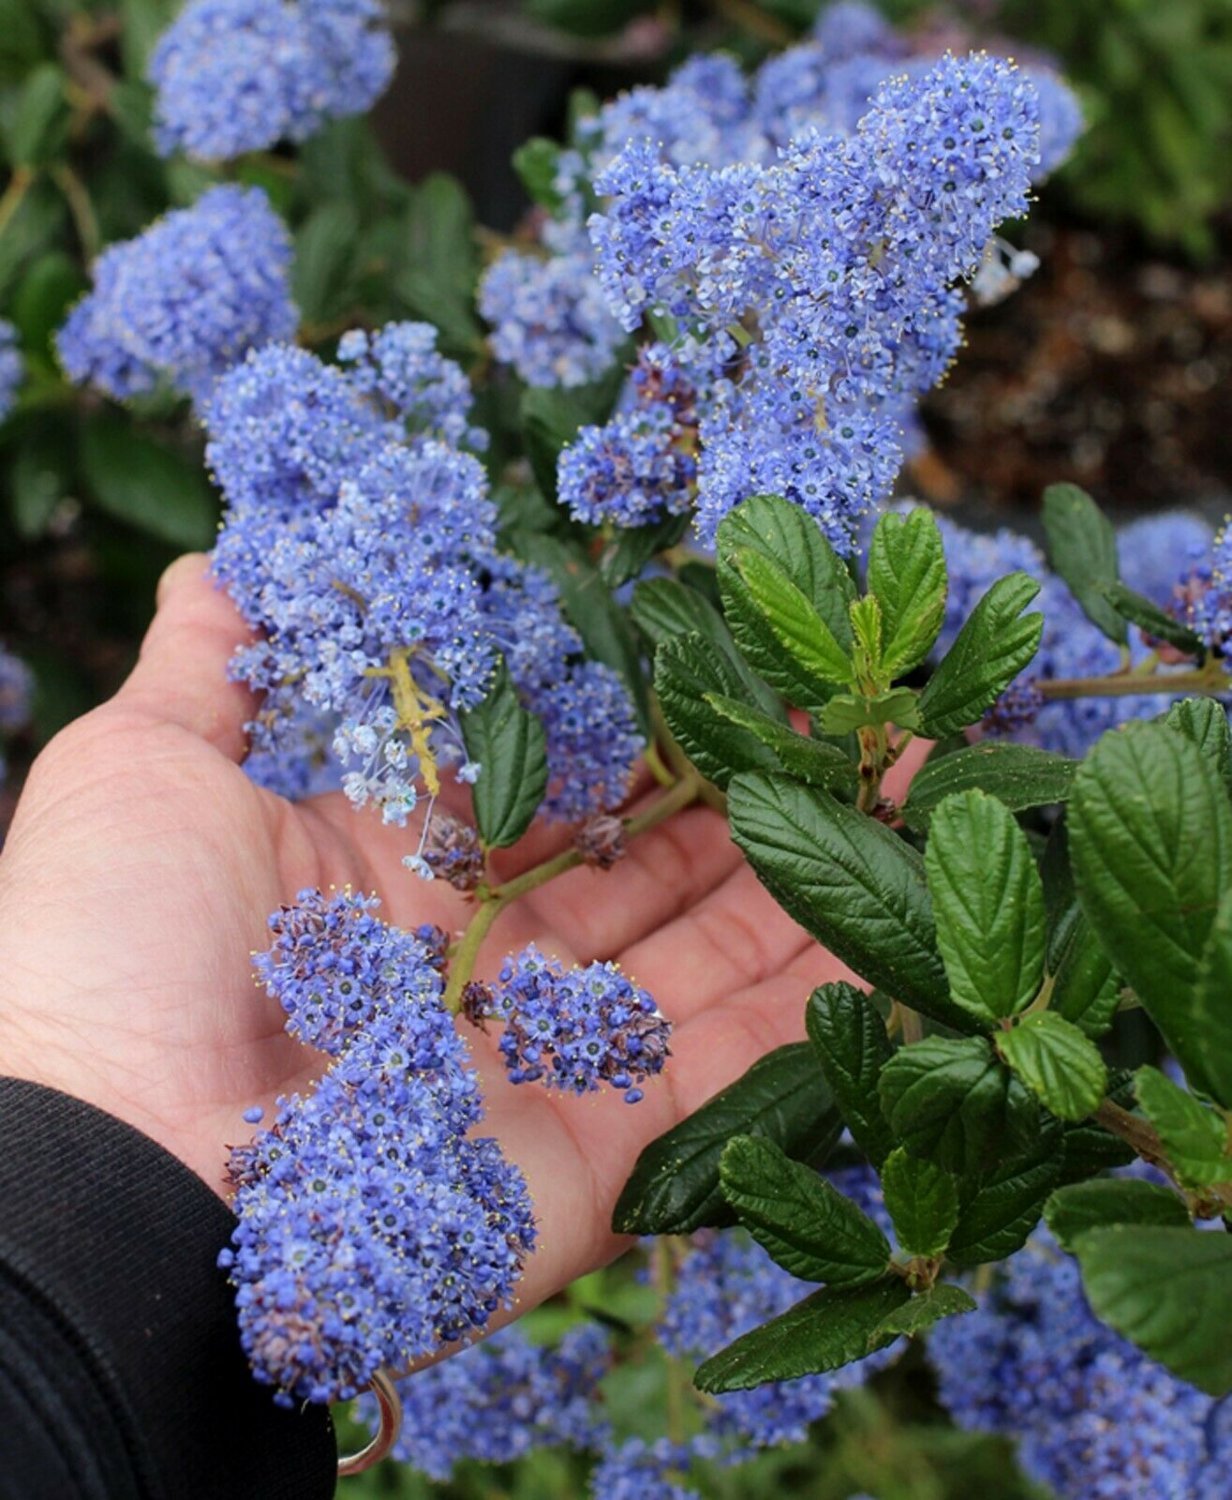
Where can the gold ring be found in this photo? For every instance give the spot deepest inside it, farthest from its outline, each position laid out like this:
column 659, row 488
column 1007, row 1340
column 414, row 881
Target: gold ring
column 390, row 1406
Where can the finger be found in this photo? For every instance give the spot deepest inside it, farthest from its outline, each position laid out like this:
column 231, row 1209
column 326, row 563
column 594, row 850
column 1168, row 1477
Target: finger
column 181, row 674
column 899, row 777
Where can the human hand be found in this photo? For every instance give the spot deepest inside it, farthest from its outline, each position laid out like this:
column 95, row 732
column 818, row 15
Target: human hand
column 142, row 864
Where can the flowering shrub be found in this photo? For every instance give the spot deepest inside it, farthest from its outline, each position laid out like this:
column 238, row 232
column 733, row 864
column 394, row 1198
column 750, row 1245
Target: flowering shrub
column 648, row 518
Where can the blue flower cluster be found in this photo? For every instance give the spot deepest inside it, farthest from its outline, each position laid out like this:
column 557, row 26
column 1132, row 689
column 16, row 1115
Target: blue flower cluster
column 641, row 466
column 12, row 368
column 365, row 552
column 1094, row 1416
column 727, row 1285
column 577, row 1029
column 185, row 300
column 1156, row 553
column 241, row 75
column 637, row 1470
column 1206, row 593
column 16, row 690
column 373, row 1227
column 500, row 1399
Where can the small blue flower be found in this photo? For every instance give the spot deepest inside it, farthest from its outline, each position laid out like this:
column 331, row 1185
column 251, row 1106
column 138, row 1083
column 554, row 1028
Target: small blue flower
column 12, row 368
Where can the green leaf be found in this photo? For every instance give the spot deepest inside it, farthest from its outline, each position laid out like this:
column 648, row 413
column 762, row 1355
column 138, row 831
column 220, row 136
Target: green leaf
column 951, row 1100
column 848, row 880
column 324, row 259
column 907, row 576
column 802, row 1222
column 537, row 163
column 1086, row 989
column 626, row 554
column 552, row 416
column 42, row 300
column 814, row 762
column 1151, row 844
column 1205, row 722
column 42, row 474
column 510, row 745
column 589, row 18
column 1195, row 1138
column 941, row 1301
column 1212, row 1001
column 674, row 1188
column 799, row 630
column 994, row 645
column 829, row 1329
column 38, row 123
column 439, row 263
column 1020, row 776
column 849, row 711
column 1169, row 1291
column 850, row 1039
column 865, row 616
column 593, row 613
column 1073, row 1210
column 1082, row 549
column 1057, row 1062
column 154, row 488
column 689, row 675
column 988, row 902
column 1003, row 1206
column 1129, row 605
column 922, row 1200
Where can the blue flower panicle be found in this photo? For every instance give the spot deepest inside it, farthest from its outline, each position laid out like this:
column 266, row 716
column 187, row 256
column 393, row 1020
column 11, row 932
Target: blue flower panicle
column 638, row 1470
column 374, row 1227
column 401, row 367
column 184, row 301
column 241, row 75
column 577, row 1029
column 12, row 367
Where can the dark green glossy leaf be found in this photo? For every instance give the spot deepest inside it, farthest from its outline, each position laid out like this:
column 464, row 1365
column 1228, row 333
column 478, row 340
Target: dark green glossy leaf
column 922, row 1200
column 39, row 120
column 1194, row 1137
column 1128, row 604
column 1002, row 1207
column 1170, row 1291
column 1205, row 722
column 510, row 746
column 152, row 487
column 625, row 556
column 324, row 257
column 1082, row 549
column 994, row 645
column 674, row 1188
column 807, row 1226
column 915, row 1317
column 850, row 1039
column 1074, row 1210
column 988, row 904
column 1057, row 1062
column 951, row 1100
column 814, row 762
column 827, row 1330
column 853, row 884
column 1020, row 776
column 1151, row 843
column 689, row 674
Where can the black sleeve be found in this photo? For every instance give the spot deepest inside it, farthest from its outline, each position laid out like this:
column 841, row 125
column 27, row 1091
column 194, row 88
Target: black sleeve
column 121, row 1373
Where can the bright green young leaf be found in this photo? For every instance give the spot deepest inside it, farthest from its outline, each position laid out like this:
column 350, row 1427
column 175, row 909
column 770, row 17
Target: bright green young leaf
column 1001, row 1208
column 951, row 1100
column 907, row 576
column 797, row 627
column 1169, row 1291
column 537, row 163
column 1086, row 989
column 510, row 746
column 848, row 712
column 814, row 762
column 829, row 1329
column 1057, row 1062
column 1194, row 1137
column 848, row 880
column 1150, row 833
column 1020, row 776
column 674, row 1188
column 945, row 1300
column 1082, row 549
column 922, row 1201
column 994, row 645
column 1129, row 605
column 865, row 615
column 802, row 1222
column 988, row 903
column 1073, row 1210
column 688, row 674
column 850, row 1039
column 1213, row 1000
column 1205, row 722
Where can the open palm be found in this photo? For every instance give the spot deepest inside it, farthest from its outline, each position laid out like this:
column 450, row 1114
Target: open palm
column 141, row 867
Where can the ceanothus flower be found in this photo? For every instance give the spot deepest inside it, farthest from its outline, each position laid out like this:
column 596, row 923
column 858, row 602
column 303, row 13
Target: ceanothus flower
column 637, row 1470
column 577, row 1029
column 12, row 368
column 500, row 1399
column 373, row 1225
column 241, row 75
column 401, row 367
column 184, row 301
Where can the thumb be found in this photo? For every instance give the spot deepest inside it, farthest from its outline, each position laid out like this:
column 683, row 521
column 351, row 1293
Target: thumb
column 181, row 674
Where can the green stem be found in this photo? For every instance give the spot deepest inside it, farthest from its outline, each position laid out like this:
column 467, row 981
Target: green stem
column 494, row 899
column 1210, row 680
column 14, row 195
column 1143, row 1138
